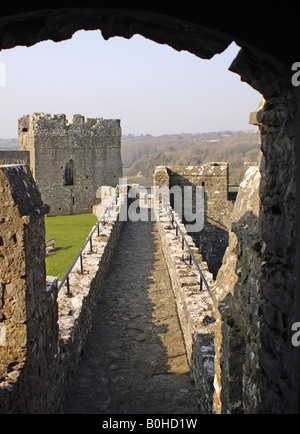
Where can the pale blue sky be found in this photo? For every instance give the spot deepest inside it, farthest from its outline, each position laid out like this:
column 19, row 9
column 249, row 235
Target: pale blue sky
column 151, row 87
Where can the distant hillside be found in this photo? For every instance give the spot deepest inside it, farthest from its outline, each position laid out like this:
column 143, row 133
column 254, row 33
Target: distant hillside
column 10, row 144
column 142, row 154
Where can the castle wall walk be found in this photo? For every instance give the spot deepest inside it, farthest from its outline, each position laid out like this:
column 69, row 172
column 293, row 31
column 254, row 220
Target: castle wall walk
column 135, row 361
column 37, row 373
column 226, row 345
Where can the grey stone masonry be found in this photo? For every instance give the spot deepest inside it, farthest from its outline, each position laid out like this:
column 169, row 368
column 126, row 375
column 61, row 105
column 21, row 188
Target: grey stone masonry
column 195, row 307
column 26, row 327
column 70, row 160
column 238, row 293
column 212, row 240
column 42, row 331
column 14, row 157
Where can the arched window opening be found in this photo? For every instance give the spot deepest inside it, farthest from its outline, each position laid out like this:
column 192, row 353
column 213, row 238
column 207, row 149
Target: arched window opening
column 69, row 174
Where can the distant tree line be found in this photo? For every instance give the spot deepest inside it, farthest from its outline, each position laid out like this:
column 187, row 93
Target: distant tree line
column 142, row 154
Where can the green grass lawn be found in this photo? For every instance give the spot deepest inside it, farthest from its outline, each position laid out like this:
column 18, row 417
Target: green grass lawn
column 70, row 233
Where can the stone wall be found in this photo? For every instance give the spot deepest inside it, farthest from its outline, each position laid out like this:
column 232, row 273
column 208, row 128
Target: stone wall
column 195, row 307
column 278, row 274
column 42, row 333
column 238, row 295
column 76, row 312
column 71, row 159
column 255, row 287
column 15, row 157
column 23, row 299
column 212, row 240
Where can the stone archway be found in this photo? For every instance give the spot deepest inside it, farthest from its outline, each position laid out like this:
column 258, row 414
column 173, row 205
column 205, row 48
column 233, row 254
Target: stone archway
column 263, row 63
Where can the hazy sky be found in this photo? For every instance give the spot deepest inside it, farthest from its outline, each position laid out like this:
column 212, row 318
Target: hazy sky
column 151, row 87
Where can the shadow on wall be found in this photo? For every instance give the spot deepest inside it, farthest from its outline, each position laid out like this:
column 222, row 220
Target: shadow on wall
column 212, row 242
column 238, row 335
column 253, row 337
column 213, row 239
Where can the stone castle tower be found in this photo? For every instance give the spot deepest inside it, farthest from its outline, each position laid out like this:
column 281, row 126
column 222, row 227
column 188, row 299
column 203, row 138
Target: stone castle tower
column 70, row 160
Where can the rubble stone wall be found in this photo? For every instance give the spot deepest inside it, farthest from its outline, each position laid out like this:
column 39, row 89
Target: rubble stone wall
column 238, row 295
column 42, row 333
column 14, row 157
column 71, row 159
column 194, row 306
column 256, row 285
column 212, row 240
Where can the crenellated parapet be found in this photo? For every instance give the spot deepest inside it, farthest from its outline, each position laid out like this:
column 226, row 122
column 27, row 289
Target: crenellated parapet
column 44, row 130
column 71, row 159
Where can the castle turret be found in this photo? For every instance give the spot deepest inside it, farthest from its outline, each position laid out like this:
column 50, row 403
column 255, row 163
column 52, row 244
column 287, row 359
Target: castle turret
column 71, row 159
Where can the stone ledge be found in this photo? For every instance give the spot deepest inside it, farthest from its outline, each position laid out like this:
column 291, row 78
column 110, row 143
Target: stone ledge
column 76, row 312
column 195, row 308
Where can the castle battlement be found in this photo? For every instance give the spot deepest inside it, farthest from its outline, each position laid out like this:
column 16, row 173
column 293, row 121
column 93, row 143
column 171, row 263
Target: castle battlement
column 71, row 159
column 41, row 125
column 217, row 169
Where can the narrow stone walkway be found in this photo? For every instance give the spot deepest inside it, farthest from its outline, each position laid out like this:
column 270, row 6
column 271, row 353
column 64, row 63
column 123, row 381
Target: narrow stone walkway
column 135, row 360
